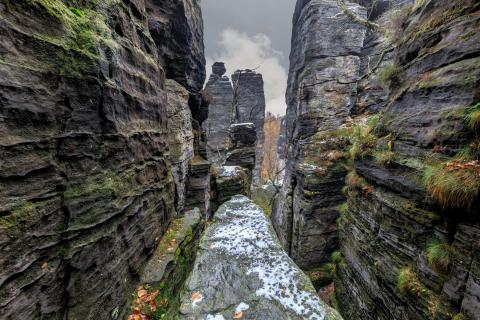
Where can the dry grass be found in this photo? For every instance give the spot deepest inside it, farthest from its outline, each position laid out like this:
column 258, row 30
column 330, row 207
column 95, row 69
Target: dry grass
column 453, row 184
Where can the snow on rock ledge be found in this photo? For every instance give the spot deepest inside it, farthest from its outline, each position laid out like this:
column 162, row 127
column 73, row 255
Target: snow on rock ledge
column 242, row 272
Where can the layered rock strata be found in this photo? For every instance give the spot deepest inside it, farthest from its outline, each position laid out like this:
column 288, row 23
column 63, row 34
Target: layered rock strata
column 324, row 68
column 252, row 276
column 396, row 225
column 89, row 132
column 249, row 106
column 219, row 94
column 242, row 146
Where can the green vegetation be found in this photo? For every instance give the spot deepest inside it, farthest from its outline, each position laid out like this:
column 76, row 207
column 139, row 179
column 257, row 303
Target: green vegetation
column 459, row 316
column 384, row 157
column 438, row 255
column 111, row 183
column 343, row 210
column 362, row 138
column 407, row 282
column 473, row 117
column 454, row 183
column 325, row 274
column 388, row 73
column 76, row 11
column 20, row 214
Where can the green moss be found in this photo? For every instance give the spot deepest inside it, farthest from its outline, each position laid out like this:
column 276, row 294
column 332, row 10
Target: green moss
column 438, row 255
column 343, row 210
column 388, row 73
column 76, row 11
column 111, row 183
column 23, row 212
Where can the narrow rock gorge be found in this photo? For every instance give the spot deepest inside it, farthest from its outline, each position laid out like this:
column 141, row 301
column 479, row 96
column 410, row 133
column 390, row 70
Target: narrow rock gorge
column 126, row 179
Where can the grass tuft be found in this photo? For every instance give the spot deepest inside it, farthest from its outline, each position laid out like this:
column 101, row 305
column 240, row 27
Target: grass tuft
column 438, row 255
column 407, row 282
column 362, row 138
column 453, row 184
column 388, row 73
column 384, row 157
column 473, row 117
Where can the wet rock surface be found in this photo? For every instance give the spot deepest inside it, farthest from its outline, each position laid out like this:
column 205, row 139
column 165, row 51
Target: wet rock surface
column 242, row 146
column 242, row 272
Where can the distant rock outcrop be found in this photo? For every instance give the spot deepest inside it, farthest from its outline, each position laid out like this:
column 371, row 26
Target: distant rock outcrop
column 249, row 106
column 219, row 94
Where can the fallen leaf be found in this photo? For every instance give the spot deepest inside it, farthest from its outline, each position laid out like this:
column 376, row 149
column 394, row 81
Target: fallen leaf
column 238, row 315
column 196, row 296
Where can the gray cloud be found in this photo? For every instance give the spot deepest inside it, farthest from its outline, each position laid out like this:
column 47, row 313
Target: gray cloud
column 249, row 33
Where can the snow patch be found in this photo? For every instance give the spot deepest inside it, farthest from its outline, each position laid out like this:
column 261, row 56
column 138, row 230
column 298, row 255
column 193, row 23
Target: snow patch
column 244, row 232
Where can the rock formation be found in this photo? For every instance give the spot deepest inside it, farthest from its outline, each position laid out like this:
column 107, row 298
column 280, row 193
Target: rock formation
column 90, row 128
column 403, row 103
column 253, row 277
column 324, row 66
column 249, row 106
column 242, row 146
column 219, row 93
column 391, row 236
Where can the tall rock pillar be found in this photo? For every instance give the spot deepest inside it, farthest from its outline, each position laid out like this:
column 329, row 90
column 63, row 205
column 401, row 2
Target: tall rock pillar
column 324, row 67
column 249, row 104
column 219, row 94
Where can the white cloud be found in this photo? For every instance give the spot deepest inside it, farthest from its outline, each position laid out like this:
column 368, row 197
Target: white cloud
column 240, row 51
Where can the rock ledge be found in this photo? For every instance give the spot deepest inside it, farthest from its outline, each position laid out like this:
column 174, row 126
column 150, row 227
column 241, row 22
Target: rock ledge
column 242, row 272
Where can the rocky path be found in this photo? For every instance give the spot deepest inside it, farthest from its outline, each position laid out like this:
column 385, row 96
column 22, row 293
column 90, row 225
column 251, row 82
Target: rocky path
column 242, row 272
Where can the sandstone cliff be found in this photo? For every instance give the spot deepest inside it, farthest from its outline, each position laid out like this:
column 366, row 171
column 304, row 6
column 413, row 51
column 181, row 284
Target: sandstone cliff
column 400, row 218
column 324, row 67
column 91, row 130
column 400, row 114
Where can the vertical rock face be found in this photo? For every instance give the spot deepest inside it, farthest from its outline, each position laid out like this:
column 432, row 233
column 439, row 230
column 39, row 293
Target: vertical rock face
column 324, row 67
column 89, row 129
column 249, row 104
column 219, row 93
column 177, row 29
column 391, row 236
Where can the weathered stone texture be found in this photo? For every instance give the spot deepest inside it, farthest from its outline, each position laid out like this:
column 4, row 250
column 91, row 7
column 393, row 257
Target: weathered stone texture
column 86, row 148
column 389, row 227
column 324, row 67
column 249, row 106
column 219, row 94
column 242, row 272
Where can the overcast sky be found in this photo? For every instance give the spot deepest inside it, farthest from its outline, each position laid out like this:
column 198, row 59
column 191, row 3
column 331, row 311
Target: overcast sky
column 249, row 33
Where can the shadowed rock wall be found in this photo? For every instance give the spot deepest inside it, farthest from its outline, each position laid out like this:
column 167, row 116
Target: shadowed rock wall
column 87, row 145
column 324, row 67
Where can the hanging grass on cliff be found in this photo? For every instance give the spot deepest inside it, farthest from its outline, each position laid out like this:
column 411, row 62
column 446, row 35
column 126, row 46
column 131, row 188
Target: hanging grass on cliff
column 438, row 255
column 454, row 183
